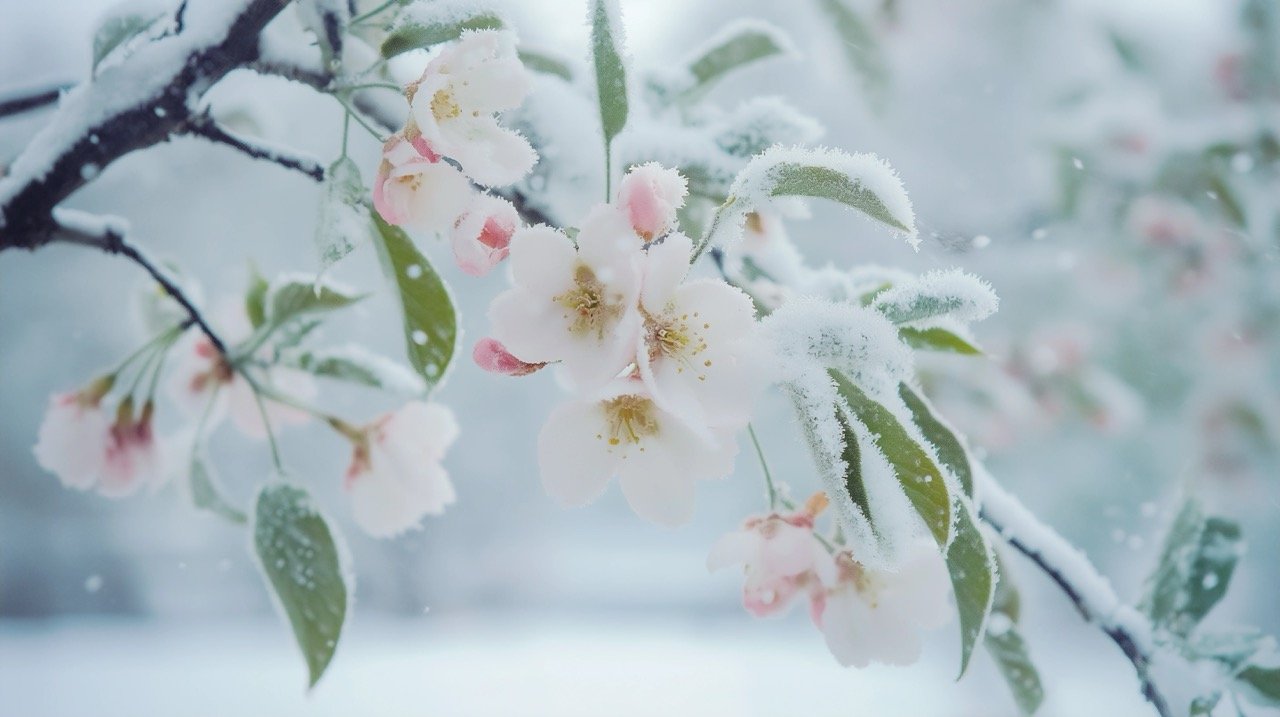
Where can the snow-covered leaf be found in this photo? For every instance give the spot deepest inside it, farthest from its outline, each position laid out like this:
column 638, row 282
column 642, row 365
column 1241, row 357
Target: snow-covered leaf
column 299, row 556
column 858, row 181
column 936, row 338
column 343, row 213
column 207, row 495
column 1006, row 646
column 1261, row 684
column 292, row 296
column 920, row 478
column 420, row 33
column 740, row 43
column 950, row 294
column 860, row 48
column 853, row 467
column 950, row 451
column 546, row 63
column 354, row 364
column 971, row 564
column 117, row 30
column 607, row 41
column 1195, row 567
column 760, row 123
column 430, row 319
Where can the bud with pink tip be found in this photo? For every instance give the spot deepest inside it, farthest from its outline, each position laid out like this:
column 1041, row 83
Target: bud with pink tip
column 482, row 235
column 650, row 194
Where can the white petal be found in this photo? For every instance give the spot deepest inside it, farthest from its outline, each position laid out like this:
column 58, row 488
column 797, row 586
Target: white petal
column 574, row 458
column 542, row 260
column 736, row 548
column 72, row 441
column 665, row 267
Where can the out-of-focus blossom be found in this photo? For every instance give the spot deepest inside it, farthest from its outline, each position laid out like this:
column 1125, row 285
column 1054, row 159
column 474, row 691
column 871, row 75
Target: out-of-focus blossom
column 73, row 438
column 482, row 235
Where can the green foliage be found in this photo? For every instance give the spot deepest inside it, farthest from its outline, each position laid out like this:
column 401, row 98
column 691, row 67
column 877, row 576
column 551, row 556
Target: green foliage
column 546, row 63
column 611, row 76
column 297, row 298
column 747, row 46
column 951, row 452
column 420, row 36
column 853, row 461
column 861, row 49
column 342, row 212
column 1195, row 567
column 117, row 31
column 361, row 368
column 1007, row 647
column 921, row 307
column 971, row 565
column 430, row 319
column 299, row 556
column 804, row 180
column 255, row 299
column 937, row 339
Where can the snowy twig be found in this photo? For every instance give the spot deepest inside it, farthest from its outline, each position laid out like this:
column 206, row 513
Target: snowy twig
column 1088, row 590
column 202, row 125
column 30, row 100
column 108, row 234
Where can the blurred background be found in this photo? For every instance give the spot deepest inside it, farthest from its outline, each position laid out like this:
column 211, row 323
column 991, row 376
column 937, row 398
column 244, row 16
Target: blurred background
column 1110, row 167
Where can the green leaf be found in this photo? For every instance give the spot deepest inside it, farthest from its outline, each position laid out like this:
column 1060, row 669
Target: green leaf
column 751, row 42
column 611, row 74
column 921, row 480
column 255, row 300
column 206, row 494
column 430, row 319
column 971, row 565
column 1262, row 684
column 937, row 339
column 802, row 180
column 299, row 556
column 1195, row 567
column 116, row 32
column 422, row 35
column 920, row 307
column 342, row 212
column 546, row 63
column 860, row 49
column 946, row 444
column 1005, row 644
column 355, row 365
column 853, row 461
column 290, row 298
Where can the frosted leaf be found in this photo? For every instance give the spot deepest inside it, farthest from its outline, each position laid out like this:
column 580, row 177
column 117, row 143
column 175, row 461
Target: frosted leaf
column 354, row 363
column 760, row 123
column 424, row 24
column 292, row 295
column 691, row 150
column 952, row 293
column 607, row 42
column 343, row 214
column 741, row 42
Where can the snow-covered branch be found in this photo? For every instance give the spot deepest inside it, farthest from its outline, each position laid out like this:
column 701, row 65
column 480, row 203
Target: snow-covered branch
column 20, row 102
column 109, row 234
column 1090, row 592
column 136, row 103
column 202, row 125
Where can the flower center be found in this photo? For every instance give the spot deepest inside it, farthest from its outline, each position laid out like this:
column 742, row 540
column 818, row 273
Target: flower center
column 678, row 338
column 443, row 106
column 629, row 418
column 587, row 308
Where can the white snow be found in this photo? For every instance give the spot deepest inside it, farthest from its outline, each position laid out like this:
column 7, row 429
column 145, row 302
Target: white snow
column 950, row 293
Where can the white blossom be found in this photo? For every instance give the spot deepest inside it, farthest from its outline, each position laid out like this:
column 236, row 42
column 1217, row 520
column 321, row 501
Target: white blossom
column 415, row 189
column 74, row 435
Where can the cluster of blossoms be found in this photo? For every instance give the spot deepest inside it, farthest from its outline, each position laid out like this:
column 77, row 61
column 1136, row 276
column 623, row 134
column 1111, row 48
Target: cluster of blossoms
column 664, row 368
column 452, row 117
column 864, row 614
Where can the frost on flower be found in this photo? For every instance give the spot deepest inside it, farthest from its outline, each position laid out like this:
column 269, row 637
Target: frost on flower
column 577, row 307
column 700, row 350
column 780, row 556
column 396, row 476
column 454, row 102
column 877, row 616
column 415, row 189
column 482, row 235
column 656, row 455
column 650, row 194
column 73, row 438
column 200, row 374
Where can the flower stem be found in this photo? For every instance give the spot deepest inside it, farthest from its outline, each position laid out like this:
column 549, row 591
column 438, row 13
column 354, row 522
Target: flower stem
column 366, row 16
column 764, row 467
column 351, row 111
column 266, row 421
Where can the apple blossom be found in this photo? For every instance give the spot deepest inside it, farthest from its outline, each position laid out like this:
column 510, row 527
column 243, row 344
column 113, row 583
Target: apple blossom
column 454, row 102
column 493, row 357
column 73, row 438
column 482, row 235
column 579, row 306
column 872, row 615
column 650, row 194
column 656, row 455
column 395, row 476
column 699, row 351
column 781, row 557
column 415, row 189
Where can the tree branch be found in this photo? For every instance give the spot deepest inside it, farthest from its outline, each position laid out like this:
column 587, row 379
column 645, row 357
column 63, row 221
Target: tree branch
column 32, row 99
column 1084, row 586
column 202, row 125
column 108, row 234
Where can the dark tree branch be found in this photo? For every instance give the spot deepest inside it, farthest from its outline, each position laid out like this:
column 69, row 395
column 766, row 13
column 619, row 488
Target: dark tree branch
column 31, row 99
column 108, row 234
column 1087, row 590
column 202, row 125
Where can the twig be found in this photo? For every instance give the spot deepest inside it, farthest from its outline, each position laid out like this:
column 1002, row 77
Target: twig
column 1083, row 585
column 202, row 125
column 32, row 99
column 108, row 234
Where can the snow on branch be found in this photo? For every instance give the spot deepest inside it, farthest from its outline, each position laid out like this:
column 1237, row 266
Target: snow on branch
column 202, row 125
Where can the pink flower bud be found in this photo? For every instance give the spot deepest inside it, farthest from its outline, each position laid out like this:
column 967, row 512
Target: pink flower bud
column 492, row 356
column 650, row 194
column 482, row 235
